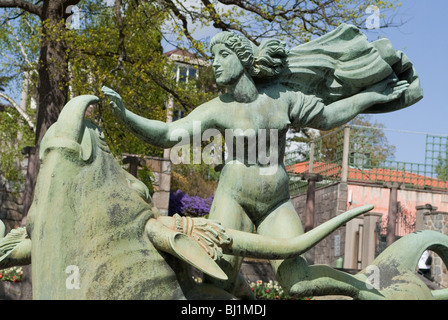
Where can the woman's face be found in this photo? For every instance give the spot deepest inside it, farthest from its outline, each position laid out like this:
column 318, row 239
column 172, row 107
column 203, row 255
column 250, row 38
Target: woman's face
column 226, row 65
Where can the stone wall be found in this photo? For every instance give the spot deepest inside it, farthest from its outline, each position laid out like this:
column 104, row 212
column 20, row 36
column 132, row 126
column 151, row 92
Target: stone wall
column 11, row 207
column 329, row 202
column 254, row 270
column 161, row 169
column 11, row 200
column 12, row 197
column 162, row 173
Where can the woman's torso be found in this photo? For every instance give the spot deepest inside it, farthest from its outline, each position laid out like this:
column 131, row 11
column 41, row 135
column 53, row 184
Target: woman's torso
column 255, row 133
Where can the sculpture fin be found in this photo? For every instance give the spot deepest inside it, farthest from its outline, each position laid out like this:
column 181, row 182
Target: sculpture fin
column 183, row 247
column 188, row 250
column 259, row 246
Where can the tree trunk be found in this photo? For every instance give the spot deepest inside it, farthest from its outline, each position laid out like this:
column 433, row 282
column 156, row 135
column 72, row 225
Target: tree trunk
column 52, row 90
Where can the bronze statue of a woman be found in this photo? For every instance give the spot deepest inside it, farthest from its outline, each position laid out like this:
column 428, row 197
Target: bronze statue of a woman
column 322, row 84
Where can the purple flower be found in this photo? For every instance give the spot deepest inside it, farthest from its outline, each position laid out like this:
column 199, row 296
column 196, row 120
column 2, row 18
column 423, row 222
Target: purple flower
column 184, row 204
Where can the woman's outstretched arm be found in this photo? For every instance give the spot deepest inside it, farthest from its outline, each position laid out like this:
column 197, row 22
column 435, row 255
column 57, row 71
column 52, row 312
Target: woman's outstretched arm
column 342, row 111
column 159, row 133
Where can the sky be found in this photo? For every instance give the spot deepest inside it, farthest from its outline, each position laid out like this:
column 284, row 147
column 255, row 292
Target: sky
column 424, row 39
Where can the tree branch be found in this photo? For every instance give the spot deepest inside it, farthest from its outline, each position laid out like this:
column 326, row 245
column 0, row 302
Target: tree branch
column 21, row 4
column 17, row 107
column 184, row 21
column 19, row 43
column 218, row 23
column 8, row 19
column 249, row 7
column 120, row 25
column 277, row 14
column 153, row 75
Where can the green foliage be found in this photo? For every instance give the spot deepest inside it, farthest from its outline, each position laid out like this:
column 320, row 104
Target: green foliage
column 98, row 57
column 14, row 135
column 365, row 138
column 441, row 168
column 147, row 177
column 3, row 81
column 124, row 52
column 198, row 179
column 370, row 139
column 294, row 22
column 299, row 141
column 195, row 179
column 18, row 52
column 19, row 45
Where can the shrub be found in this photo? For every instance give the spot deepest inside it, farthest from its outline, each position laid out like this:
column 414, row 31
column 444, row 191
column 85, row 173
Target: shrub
column 265, row 290
column 269, row 290
column 13, row 274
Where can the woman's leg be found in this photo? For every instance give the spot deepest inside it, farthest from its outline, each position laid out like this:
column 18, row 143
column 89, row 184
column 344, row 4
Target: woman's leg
column 230, row 214
column 294, row 274
column 284, row 222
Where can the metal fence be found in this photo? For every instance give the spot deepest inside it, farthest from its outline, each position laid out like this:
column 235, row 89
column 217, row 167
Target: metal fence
column 362, row 154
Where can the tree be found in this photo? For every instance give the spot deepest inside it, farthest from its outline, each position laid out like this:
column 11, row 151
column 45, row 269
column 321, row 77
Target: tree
column 13, row 47
column 369, row 140
column 441, row 166
column 16, row 120
column 52, row 66
column 294, row 21
column 3, row 80
column 115, row 47
column 14, row 135
column 194, row 179
column 368, row 143
column 52, row 69
column 298, row 142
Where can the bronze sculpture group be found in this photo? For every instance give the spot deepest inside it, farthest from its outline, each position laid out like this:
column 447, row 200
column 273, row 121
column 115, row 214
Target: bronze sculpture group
column 89, row 213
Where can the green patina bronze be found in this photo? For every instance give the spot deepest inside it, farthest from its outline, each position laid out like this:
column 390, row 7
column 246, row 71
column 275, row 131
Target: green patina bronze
column 91, row 216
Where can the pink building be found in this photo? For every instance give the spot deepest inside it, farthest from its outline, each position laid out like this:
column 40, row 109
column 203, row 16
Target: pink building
column 373, row 187
column 352, row 180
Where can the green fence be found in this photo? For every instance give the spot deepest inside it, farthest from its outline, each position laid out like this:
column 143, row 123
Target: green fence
column 365, row 158
column 324, row 157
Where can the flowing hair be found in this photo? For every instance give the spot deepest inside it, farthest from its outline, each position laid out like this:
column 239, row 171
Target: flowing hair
column 332, row 67
column 266, row 61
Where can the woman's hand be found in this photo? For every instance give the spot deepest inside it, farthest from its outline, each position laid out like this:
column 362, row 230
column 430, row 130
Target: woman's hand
column 388, row 90
column 208, row 234
column 115, row 102
column 342, row 111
